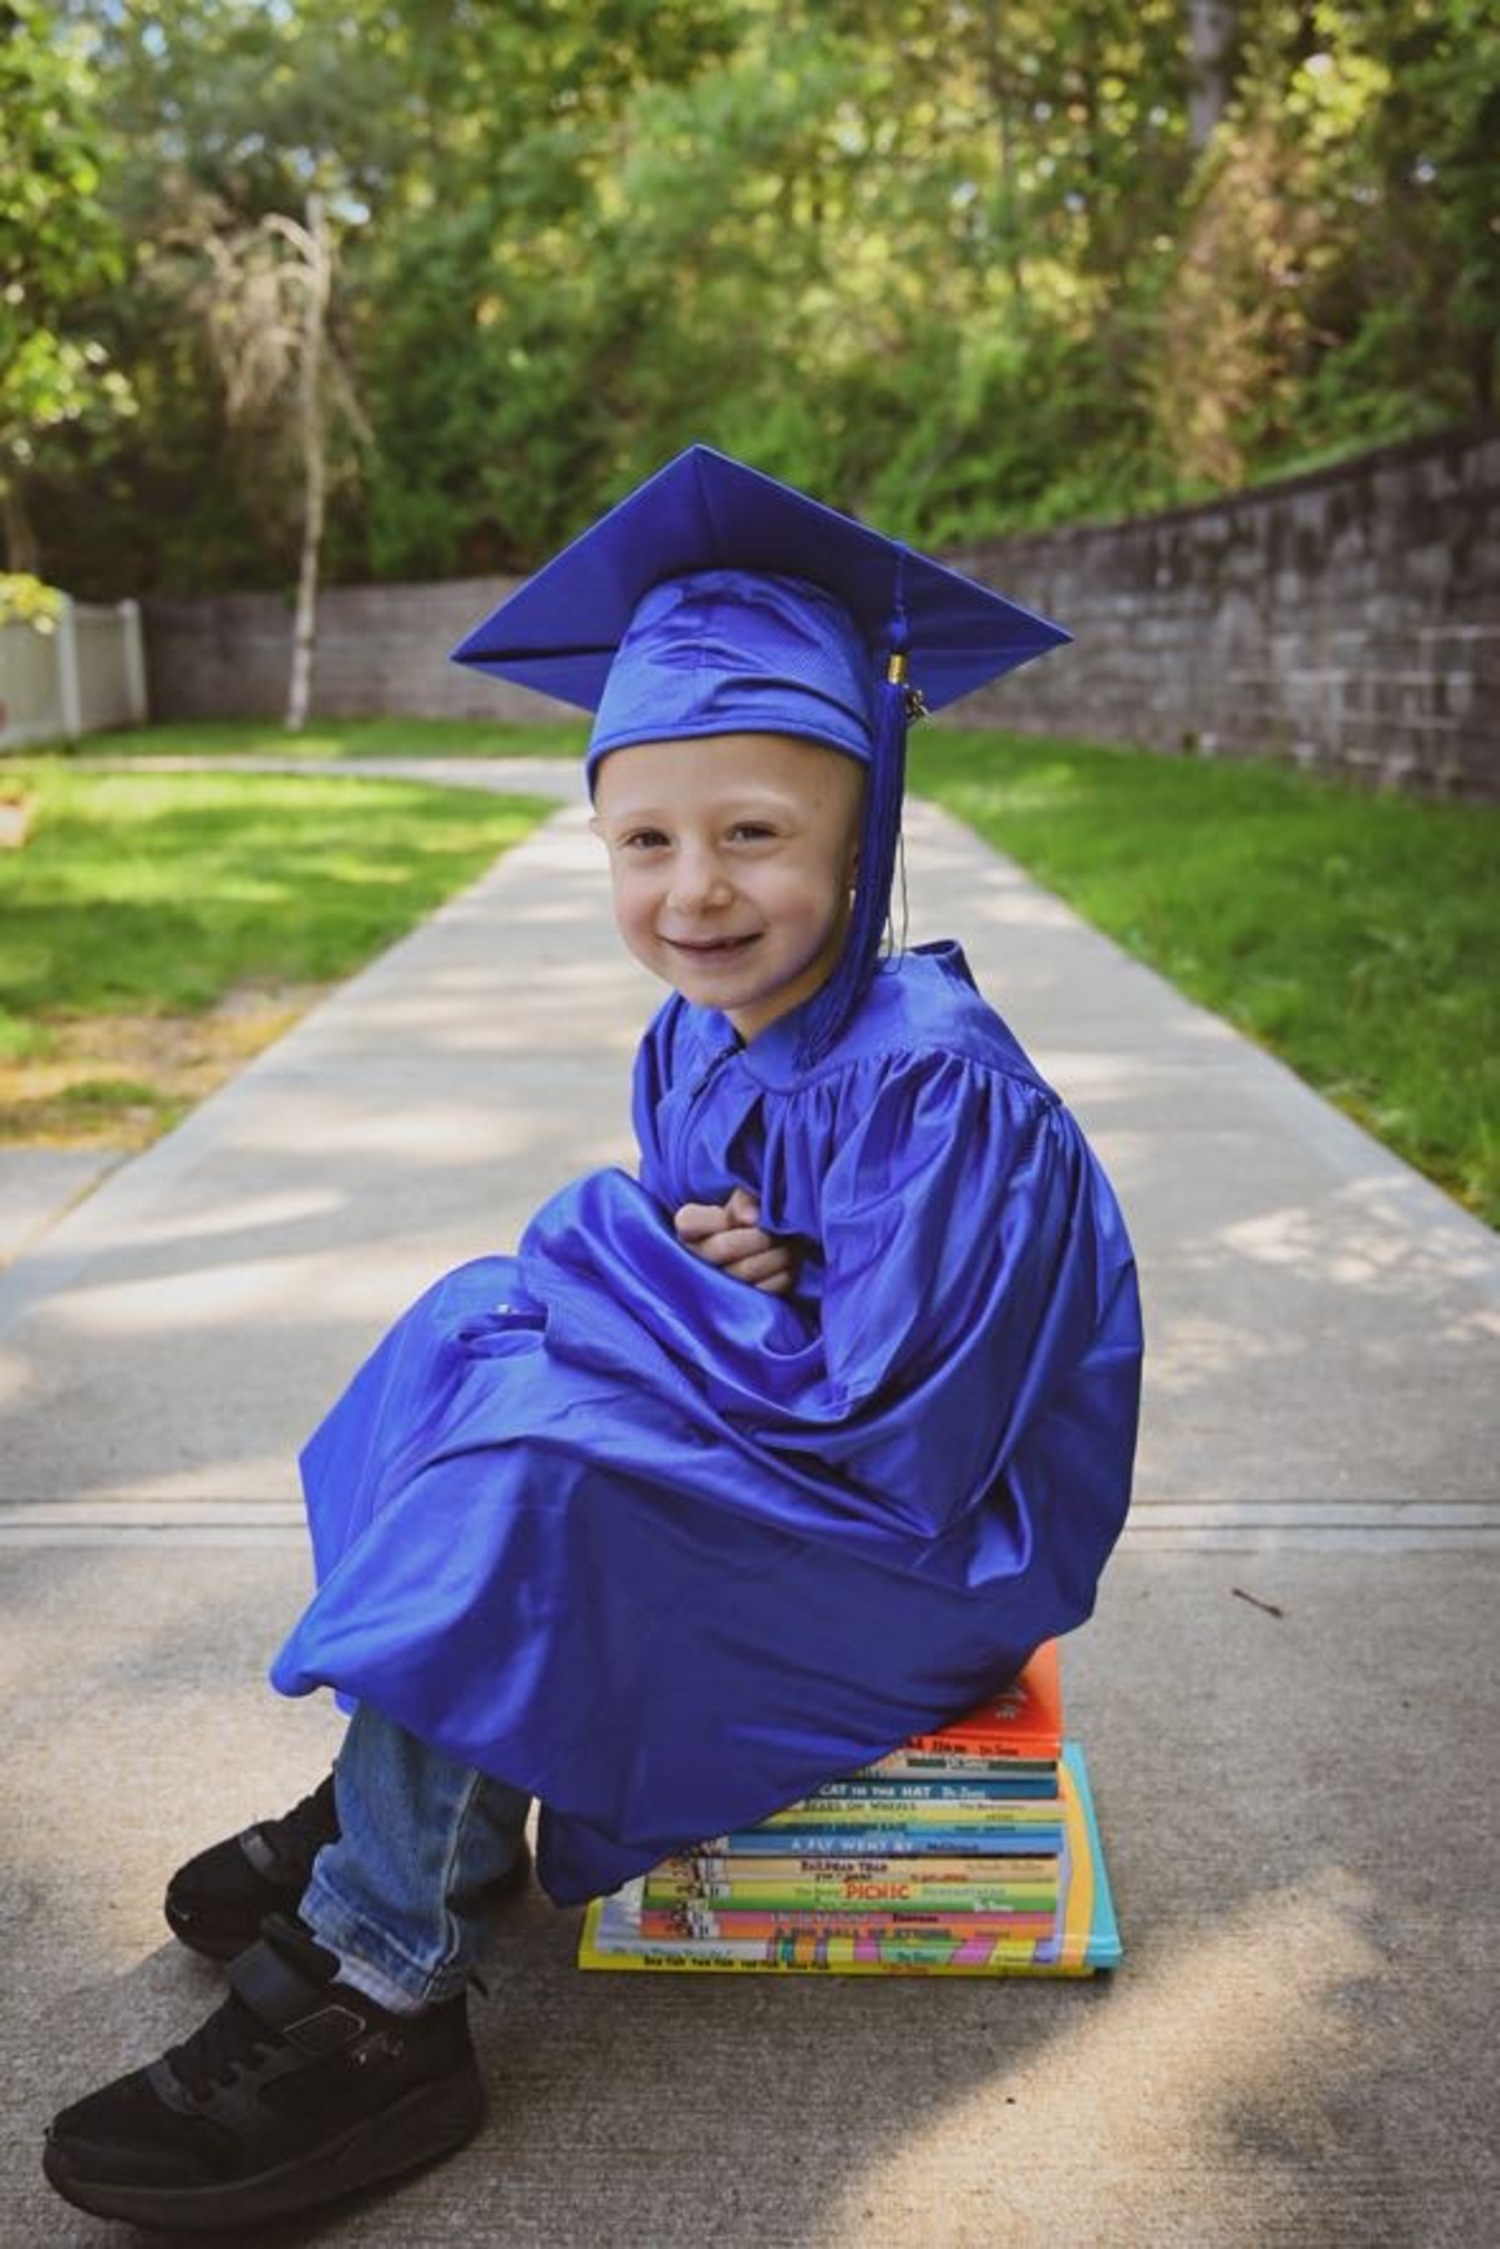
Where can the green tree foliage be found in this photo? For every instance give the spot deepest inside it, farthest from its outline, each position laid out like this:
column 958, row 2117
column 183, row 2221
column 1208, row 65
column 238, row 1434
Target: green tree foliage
column 969, row 264
column 1338, row 267
column 59, row 251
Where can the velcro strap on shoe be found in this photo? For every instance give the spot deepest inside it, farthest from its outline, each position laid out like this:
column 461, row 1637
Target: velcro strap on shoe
column 307, row 2014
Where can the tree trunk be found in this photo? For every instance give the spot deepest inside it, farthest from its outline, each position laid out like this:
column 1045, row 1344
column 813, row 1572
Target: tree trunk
column 314, row 441
column 999, row 87
column 1213, row 27
column 22, row 550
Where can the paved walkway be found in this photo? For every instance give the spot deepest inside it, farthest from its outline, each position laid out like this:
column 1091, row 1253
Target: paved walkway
column 1288, row 1694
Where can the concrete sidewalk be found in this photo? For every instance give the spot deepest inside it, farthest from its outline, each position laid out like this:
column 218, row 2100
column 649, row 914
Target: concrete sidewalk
column 1288, row 1694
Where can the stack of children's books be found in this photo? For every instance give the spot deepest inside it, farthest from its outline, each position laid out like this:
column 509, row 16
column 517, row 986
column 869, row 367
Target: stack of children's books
column 972, row 1851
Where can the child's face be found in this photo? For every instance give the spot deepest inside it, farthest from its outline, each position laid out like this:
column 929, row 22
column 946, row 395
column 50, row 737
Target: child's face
column 733, row 860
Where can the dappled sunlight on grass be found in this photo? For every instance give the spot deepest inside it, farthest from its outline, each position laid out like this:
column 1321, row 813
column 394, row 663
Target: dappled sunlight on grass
column 158, row 889
column 218, row 906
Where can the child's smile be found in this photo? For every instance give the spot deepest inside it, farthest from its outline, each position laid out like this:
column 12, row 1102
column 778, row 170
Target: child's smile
column 733, row 860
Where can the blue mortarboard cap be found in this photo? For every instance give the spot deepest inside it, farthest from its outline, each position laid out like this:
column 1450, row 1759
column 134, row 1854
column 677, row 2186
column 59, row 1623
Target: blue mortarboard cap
column 560, row 632
column 715, row 600
column 738, row 652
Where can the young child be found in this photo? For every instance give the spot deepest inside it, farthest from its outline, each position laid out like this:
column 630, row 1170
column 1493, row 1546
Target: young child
column 744, row 1469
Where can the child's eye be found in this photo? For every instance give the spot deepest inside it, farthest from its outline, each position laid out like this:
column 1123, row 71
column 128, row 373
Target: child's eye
column 643, row 839
column 751, row 831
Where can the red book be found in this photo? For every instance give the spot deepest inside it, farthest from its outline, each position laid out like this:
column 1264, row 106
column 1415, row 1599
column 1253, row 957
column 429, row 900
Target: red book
column 1024, row 1720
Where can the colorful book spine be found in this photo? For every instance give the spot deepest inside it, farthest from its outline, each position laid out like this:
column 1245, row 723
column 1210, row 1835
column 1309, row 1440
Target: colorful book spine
column 751, row 1926
column 881, row 1797
column 870, row 1866
column 997, row 1816
column 888, row 1897
column 911, row 1764
column 896, row 1871
column 888, row 1842
column 871, row 1952
column 967, row 1740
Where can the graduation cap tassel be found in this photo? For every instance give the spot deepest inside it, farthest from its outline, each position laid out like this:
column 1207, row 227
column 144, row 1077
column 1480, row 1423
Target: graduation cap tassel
column 896, row 702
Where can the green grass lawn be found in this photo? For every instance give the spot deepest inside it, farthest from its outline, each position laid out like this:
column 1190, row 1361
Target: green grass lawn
column 142, row 902
column 338, row 738
column 1356, row 936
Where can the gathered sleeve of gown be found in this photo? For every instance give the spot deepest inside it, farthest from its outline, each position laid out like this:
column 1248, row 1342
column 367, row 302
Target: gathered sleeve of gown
column 958, row 1258
column 960, row 1279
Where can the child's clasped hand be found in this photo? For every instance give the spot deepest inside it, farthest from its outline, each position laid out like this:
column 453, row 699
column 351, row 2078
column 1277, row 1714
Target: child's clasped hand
column 730, row 1236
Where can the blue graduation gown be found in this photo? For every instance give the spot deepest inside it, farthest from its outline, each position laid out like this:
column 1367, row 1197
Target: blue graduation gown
column 668, row 1551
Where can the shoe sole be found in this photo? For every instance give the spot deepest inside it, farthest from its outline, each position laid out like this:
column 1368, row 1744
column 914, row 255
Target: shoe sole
column 429, row 2122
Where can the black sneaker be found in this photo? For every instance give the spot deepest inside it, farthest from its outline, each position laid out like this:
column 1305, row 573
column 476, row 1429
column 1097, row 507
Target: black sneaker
column 298, row 2090
column 217, row 1902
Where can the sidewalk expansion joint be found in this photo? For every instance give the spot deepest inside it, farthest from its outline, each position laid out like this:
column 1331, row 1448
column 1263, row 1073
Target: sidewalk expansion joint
column 1369, row 1526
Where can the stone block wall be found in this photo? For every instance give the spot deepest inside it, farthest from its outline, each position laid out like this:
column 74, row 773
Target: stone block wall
column 382, row 651
column 1349, row 620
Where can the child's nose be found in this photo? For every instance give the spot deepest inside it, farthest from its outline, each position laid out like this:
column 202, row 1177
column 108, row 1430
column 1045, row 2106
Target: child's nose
column 698, row 881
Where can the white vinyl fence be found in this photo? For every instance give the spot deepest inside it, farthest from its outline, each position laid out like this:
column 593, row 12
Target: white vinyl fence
column 88, row 672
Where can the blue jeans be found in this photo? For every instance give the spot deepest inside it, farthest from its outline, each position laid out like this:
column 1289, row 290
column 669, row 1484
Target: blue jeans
column 408, row 1890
